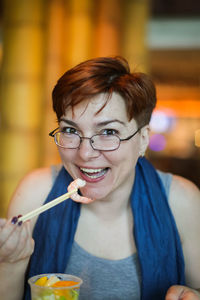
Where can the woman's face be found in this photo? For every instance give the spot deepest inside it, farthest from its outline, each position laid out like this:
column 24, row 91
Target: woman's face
column 104, row 172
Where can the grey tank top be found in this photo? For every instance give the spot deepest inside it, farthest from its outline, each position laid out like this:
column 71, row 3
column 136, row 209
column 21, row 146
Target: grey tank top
column 105, row 279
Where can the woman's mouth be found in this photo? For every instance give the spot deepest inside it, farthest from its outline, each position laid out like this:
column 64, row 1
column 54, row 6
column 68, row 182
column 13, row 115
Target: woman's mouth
column 94, row 173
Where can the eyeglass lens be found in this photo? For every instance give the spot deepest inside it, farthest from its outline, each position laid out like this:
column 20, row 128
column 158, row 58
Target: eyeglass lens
column 98, row 142
column 106, row 142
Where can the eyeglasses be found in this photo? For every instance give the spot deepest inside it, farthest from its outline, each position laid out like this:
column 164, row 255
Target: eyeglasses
column 101, row 142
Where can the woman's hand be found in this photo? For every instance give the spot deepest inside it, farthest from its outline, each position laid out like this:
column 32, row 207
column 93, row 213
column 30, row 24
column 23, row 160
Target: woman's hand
column 16, row 242
column 180, row 292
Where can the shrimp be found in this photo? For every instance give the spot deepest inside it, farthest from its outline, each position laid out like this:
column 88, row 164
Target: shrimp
column 76, row 184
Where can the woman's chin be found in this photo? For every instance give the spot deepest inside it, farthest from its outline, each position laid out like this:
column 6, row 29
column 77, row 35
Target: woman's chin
column 95, row 194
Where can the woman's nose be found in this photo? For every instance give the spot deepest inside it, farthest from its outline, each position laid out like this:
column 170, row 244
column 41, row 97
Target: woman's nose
column 86, row 151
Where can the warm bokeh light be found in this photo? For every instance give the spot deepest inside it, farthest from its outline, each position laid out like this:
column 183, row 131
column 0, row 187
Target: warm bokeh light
column 183, row 108
column 157, row 142
column 197, row 138
column 162, row 121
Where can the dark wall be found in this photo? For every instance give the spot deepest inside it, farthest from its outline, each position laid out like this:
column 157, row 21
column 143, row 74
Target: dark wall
column 175, row 8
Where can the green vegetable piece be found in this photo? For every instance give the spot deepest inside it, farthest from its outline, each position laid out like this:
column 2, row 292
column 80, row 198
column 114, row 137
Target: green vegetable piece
column 75, row 294
column 62, row 298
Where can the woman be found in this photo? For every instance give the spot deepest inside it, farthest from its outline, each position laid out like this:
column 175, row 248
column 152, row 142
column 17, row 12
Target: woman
column 137, row 227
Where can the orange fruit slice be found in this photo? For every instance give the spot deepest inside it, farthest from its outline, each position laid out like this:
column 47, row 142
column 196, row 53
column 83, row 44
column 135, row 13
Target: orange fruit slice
column 41, row 281
column 64, row 283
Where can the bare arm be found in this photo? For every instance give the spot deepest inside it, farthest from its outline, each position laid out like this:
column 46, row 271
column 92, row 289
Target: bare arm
column 16, row 243
column 185, row 204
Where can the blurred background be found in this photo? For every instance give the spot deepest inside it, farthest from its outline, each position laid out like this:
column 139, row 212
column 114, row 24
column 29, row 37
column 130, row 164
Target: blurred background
column 41, row 39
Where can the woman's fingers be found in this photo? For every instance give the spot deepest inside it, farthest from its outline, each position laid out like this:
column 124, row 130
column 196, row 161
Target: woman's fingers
column 2, row 222
column 6, row 229
column 10, row 243
column 180, row 292
column 76, row 184
column 25, row 245
column 15, row 242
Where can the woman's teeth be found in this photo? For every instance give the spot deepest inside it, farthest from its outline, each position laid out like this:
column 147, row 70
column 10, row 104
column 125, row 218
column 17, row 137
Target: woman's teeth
column 93, row 173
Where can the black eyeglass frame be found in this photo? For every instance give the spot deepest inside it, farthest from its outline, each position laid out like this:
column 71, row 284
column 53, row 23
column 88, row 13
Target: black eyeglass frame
column 53, row 134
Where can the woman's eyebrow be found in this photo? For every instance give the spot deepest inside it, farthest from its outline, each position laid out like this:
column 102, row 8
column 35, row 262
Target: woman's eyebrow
column 104, row 123
column 100, row 124
column 69, row 122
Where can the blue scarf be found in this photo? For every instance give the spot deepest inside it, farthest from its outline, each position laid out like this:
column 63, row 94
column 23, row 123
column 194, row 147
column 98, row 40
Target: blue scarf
column 157, row 239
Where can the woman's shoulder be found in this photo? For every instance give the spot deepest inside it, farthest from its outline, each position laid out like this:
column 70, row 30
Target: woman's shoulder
column 184, row 201
column 31, row 192
column 185, row 205
column 183, row 189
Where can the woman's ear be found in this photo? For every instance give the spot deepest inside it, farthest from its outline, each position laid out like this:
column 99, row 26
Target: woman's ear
column 144, row 139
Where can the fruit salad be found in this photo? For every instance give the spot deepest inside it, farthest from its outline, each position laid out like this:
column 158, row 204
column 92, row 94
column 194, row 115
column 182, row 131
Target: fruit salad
column 53, row 288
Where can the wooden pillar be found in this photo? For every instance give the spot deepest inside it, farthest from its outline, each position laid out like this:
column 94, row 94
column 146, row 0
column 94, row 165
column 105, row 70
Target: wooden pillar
column 79, row 31
column 108, row 28
column 55, row 67
column 69, row 38
column 136, row 15
column 21, row 84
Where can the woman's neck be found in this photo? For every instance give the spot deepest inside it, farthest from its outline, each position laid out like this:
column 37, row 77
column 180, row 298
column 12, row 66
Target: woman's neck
column 113, row 206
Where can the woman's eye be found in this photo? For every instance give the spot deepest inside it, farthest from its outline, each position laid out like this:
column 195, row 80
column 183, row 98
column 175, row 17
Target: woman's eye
column 110, row 132
column 69, row 130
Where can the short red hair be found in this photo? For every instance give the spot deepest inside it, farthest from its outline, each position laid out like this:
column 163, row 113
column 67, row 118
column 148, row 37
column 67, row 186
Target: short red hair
column 106, row 75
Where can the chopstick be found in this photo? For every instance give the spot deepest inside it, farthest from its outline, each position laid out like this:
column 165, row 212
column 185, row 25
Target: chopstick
column 46, row 206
